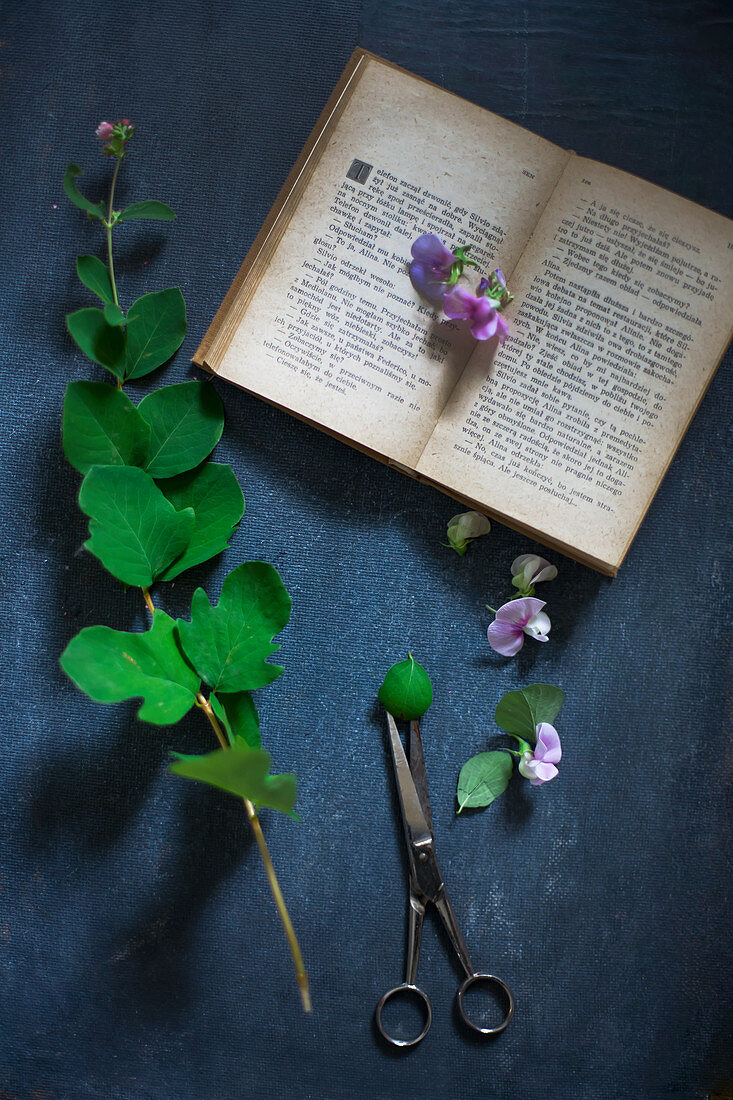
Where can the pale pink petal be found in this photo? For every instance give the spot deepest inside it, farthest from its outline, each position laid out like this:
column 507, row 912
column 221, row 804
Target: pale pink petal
column 520, row 611
column 543, row 773
column 548, row 748
column 483, row 328
column 505, row 638
column 502, row 329
column 458, row 304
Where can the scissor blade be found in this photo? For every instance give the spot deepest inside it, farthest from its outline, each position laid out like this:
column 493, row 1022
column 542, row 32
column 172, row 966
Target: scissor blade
column 416, row 826
column 419, row 775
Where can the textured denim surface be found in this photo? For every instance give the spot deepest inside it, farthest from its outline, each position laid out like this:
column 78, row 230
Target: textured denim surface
column 141, row 956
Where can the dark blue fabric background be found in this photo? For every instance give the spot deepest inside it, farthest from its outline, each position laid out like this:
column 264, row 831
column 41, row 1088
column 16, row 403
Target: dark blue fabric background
column 140, row 951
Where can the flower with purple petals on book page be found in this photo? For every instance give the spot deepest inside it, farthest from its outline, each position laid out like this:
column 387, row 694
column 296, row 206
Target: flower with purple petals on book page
column 461, row 305
column 515, row 619
column 431, row 267
column 538, row 765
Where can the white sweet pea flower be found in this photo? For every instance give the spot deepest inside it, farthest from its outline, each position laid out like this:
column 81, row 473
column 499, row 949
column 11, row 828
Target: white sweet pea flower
column 528, row 570
column 465, row 527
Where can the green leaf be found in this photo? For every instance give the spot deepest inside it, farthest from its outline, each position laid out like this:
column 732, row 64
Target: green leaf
column 406, row 691
column 520, row 712
column 156, row 325
column 96, row 209
column 102, row 427
column 514, row 714
column 238, row 715
column 112, row 665
column 213, row 492
column 94, row 274
column 148, row 208
column 135, row 532
column 113, row 315
column 228, row 644
column 483, row 778
column 186, row 422
column 243, row 771
column 101, row 342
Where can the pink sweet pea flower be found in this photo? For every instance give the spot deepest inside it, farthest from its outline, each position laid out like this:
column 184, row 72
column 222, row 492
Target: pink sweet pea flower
column 514, row 620
column 460, row 305
column 104, row 131
column 431, row 267
column 539, row 766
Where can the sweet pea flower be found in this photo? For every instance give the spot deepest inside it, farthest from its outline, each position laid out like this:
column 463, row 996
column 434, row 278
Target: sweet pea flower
column 431, row 267
column 514, row 620
column 528, row 570
column 104, row 131
column 465, row 527
column 461, row 305
column 539, row 766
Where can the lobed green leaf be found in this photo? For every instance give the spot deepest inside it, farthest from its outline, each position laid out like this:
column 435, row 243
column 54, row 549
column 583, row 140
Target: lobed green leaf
column 482, row 779
column 148, row 208
column 96, row 209
column 228, row 644
column 406, row 691
column 135, row 532
column 238, row 715
column 102, row 427
column 156, row 325
column 113, row 665
column 213, row 492
column 186, row 421
column 95, row 276
column 242, row 771
column 100, row 341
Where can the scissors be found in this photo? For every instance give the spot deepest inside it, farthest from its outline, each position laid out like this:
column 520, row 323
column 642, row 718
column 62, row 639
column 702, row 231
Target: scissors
column 425, row 886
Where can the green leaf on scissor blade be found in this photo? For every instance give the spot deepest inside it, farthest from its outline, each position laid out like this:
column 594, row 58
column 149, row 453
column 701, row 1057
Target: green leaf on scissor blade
column 242, row 771
column 482, row 779
column 213, row 492
column 113, row 665
column 135, row 532
column 148, row 208
column 406, row 691
column 100, row 341
column 186, row 421
column 156, row 325
column 228, row 644
column 519, row 712
column 96, row 209
column 102, row 427
column 94, row 274
column 238, row 715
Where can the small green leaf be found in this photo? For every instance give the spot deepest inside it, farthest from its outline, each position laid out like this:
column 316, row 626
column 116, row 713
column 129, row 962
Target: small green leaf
column 186, row 422
column 135, row 532
column 156, row 325
column 96, row 209
column 238, row 715
column 483, row 778
column 514, row 714
column 94, row 274
column 228, row 644
column 243, row 771
column 213, row 492
column 101, row 342
column 102, row 427
column 148, row 208
column 112, row 665
column 406, row 691
column 520, row 712
column 113, row 315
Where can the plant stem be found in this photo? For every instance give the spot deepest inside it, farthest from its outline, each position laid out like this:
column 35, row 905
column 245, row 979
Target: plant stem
column 148, row 600
column 108, row 224
column 254, row 821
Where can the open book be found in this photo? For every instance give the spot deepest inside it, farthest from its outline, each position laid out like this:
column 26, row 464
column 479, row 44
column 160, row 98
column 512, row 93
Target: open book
column 621, row 312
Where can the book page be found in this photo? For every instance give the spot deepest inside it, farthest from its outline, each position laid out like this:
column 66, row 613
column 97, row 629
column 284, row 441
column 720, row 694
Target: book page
column 622, row 312
column 334, row 330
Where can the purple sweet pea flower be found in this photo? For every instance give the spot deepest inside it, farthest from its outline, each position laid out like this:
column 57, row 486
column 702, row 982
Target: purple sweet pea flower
column 431, row 267
column 459, row 304
column 514, row 620
column 539, row 766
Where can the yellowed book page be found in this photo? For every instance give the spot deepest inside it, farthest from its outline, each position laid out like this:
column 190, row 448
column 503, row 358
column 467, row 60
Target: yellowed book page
column 335, row 330
column 623, row 312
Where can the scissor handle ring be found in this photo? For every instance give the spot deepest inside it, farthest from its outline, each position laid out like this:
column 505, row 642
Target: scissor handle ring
column 415, row 991
column 506, row 997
